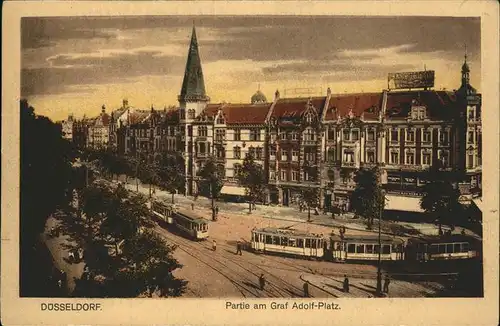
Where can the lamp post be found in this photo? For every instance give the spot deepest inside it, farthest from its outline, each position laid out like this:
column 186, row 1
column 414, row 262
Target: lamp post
column 379, row 267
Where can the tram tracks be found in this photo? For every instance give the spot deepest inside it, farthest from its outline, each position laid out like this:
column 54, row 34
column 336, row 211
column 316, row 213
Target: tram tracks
column 245, row 287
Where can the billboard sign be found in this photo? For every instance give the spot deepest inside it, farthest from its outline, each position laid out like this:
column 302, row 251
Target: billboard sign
column 407, row 80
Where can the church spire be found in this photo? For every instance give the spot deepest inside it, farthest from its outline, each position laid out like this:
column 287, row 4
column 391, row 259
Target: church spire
column 193, row 85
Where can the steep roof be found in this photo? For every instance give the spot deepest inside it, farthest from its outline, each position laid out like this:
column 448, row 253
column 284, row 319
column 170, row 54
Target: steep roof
column 368, row 104
column 193, row 85
column 294, row 107
column 240, row 113
column 138, row 117
column 441, row 105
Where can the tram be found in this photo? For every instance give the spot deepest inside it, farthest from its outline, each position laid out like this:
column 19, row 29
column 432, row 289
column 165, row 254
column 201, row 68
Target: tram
column 440, row 248
column 190, row 223
column 365, row 248
column 163, row 211
column 287, row 241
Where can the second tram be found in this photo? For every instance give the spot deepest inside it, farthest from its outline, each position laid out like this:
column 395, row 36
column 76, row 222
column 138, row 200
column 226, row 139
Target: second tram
column 190, row 223
column 287, row 241
column 365, row 248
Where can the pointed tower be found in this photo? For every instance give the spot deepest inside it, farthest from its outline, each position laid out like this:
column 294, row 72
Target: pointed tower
column 466, row 88
column 193, row 95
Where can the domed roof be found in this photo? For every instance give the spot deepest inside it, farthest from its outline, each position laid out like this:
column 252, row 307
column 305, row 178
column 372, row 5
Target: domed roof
column 465, row 67
column 258, row 97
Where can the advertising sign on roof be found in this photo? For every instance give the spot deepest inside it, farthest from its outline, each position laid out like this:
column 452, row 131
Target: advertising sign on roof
column 407, row 80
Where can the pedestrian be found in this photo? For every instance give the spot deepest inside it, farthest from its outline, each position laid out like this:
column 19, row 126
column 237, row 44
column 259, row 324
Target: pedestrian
column 71, row 256
column 192, row 206
column 346, row 284
column 387, row 281
column 216, row 210
column 238, row 248
column 262, row 281
column 214, row 245
column 316, row 211
column 306, row 289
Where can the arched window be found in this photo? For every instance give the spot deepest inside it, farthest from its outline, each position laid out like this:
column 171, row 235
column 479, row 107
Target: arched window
column 191, row 114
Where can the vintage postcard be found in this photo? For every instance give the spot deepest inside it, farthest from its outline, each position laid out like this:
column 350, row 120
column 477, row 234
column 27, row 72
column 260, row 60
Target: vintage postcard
column 250, row 163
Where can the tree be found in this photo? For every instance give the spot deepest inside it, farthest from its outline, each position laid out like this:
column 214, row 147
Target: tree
column 441, row 198
column 368, row 199
column 311, row 197
column 171, row 173
column 211, row 182
column 125, row 257
column 253, row 178
column 45, row 169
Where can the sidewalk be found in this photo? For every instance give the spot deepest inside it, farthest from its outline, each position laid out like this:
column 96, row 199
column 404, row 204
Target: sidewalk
column 366, row 287
column 56, row 246
column 400, row 229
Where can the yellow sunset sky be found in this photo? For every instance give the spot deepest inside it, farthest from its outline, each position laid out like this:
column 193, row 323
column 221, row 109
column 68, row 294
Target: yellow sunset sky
column 75, row 65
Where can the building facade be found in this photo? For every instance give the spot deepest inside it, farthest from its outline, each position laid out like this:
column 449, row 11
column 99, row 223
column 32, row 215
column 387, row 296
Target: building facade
column 316, row 141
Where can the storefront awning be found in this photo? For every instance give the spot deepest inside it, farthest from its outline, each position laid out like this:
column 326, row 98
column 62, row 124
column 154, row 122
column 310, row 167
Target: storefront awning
column 402, row 203
column 233, row 190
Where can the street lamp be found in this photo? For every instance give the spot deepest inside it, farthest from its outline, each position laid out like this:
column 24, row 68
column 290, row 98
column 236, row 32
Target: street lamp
column 379, row 267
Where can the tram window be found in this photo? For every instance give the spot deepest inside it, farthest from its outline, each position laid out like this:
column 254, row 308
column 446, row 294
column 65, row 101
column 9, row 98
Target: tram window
column 336, row 245
column 269, row 239
column 376, row 248
column 292, row 242
column 276, row 240
column 284, row 241
column 465, row 247
column 449, row 248
column 351, row 248
column 256, row 237
column 360, row 249
column 456, row 247
column 434, row 249
column 308, row 243
column 369, row 249
column 442, row 248
column 300, row 243
column 386, row 249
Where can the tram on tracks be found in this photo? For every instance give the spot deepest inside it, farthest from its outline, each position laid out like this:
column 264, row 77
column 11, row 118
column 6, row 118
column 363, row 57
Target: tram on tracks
column 442, row 248
column 190, row 223
column 288, row 241
column 163, row 211
column 365, row 248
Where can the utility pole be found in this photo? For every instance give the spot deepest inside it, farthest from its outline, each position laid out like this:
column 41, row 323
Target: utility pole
column 379, row 271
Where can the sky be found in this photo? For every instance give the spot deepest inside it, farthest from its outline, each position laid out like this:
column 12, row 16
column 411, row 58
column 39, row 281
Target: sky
column 74, row 65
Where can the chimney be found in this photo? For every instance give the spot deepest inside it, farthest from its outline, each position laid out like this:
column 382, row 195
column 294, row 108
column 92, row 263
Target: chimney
column 277, row 95
column 328, row 91
column 125, row 103
column 103, row 109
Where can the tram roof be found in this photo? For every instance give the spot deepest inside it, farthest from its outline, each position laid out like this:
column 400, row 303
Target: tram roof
column 369, row 238
column 288, row 232
column 193, row 216
column 169, row 205
column 444, row 239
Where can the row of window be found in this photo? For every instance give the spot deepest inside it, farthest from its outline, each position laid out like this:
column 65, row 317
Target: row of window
column 308, row 135
column 288, row 241
column 256, row 152
column 394, row 135
column 367, row 248
column 293, row 175
column 309, row 155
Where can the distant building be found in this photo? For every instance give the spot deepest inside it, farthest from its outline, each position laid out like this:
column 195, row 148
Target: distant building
column 306, row 142
column 67, row 128
column 98, row 131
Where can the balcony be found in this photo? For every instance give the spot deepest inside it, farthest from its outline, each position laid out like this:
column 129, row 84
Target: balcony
column 309, row 142
column 220, row 141
column 352, row 165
